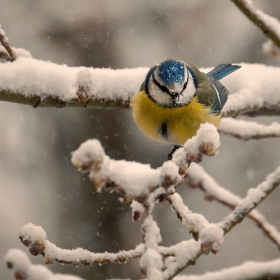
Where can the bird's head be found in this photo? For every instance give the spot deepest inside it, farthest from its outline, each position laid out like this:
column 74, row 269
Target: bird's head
column 171, row 83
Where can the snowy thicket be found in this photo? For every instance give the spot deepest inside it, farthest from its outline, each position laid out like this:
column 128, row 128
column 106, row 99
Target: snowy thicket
column 131, row 181
column 39, row 83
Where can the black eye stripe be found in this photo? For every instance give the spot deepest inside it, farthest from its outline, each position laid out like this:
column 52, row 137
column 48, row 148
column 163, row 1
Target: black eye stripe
column 186, row 83
column 162, row 88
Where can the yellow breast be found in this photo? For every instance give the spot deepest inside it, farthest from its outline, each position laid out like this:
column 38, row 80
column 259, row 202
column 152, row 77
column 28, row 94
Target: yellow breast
column 173, row 125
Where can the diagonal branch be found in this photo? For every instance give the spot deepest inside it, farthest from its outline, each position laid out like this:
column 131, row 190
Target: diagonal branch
column 198, row 178
column 268, row 24
column 253, row 198
column 5, row 42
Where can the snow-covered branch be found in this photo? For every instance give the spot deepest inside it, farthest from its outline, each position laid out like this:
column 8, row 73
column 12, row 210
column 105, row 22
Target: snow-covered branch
column 22, row 268
column 246, row 271
column 179, row 256
column 253, row 198
column 197, row 178
column 137, row 181
column 254, row 91
column 248, row 130
column 197, row 225
column 43, row 84
column 35, row 238
column 151, row 261
column 268, row 24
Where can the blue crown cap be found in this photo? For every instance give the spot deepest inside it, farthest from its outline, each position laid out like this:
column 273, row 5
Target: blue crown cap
column 171, row 71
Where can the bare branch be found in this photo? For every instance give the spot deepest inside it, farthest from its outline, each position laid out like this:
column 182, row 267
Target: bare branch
column 5, row 42
column 268, row 24
column 5, row 56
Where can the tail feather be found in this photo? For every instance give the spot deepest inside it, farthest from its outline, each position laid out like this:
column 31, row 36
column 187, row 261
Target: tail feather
column 222, row 71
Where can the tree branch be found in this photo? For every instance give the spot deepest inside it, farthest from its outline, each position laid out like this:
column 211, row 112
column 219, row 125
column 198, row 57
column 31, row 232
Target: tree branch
column 246, row 271
column 248, row 130
column 253, row 198
column 22, row 268
column 45, row 84
column 35, row 238
column 268, row 24
column 5, row 43
column 137, row 181
column 197, row 178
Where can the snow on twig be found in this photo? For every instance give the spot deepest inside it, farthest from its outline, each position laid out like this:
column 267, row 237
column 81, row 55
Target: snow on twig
column 253, row 198
column 210, row 235
column 45, row 84
column 248, row 130
column 22, row 268
column 5, row 43
column 136, row 181
column 246, row 271
column 270, row 49
column 198, row 178
column 268, row 24
column 151, row 260
column 251, row 95
column 35, row 238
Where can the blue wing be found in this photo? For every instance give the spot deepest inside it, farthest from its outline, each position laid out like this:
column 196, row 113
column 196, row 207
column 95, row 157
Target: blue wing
column 214, row 76
column 222, row 71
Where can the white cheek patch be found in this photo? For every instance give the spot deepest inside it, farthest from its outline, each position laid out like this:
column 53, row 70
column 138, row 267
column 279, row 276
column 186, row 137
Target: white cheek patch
column 190, row 90
column 162, row 98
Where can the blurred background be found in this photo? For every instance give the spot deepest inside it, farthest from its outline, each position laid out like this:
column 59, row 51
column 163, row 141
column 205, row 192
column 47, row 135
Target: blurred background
column 37, row 180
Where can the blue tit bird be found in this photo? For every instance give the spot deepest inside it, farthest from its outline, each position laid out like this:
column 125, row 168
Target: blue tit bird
column 176, row 97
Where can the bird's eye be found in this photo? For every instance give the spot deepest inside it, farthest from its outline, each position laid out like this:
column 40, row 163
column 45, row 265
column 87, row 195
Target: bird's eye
column 162, row 88
column 185, row 85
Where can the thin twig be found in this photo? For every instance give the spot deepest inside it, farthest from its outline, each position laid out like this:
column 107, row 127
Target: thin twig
column 216, row 192
column 5, row 56
column 252, row 200
column 5, row 42
column 263, row 21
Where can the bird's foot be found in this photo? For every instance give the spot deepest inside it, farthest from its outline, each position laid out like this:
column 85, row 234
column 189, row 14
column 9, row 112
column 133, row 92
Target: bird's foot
column 174, row 149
